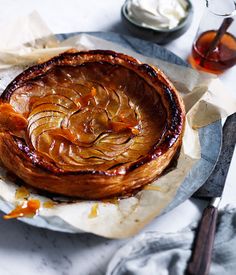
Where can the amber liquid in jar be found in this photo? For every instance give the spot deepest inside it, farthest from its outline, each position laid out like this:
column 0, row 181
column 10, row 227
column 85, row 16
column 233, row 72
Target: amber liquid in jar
column 222, row 57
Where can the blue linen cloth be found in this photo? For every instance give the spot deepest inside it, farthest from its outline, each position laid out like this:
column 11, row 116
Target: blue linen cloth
column 167, row 254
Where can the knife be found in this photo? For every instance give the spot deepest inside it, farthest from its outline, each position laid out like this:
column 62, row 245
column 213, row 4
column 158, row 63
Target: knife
column 199, row 263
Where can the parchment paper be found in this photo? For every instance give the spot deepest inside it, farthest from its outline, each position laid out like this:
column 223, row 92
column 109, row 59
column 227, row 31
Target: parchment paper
column 205, row 98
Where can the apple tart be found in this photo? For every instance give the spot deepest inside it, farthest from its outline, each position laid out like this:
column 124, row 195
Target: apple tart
column 92, row 125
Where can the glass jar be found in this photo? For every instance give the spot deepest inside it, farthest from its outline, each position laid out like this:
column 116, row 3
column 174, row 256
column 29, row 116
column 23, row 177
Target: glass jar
column 214, row 48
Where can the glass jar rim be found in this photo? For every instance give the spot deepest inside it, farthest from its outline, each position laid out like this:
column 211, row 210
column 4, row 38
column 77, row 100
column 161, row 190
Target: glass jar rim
column 230, row 14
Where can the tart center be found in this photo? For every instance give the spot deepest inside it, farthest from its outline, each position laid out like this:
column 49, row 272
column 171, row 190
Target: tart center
column 92, row 116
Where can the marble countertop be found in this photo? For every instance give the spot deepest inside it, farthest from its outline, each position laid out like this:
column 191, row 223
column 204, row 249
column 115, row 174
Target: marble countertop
column 28, row 250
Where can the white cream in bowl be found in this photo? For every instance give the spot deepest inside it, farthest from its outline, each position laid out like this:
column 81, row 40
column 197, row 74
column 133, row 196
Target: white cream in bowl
column 158, row 14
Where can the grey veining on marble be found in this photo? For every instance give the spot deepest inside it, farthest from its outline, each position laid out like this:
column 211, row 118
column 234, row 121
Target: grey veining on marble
column 52, row 253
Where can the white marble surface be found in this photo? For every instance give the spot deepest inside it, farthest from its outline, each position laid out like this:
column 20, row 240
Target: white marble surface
column 28, row 250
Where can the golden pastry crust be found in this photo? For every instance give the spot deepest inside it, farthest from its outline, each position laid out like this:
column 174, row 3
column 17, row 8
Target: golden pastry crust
column 92, row 124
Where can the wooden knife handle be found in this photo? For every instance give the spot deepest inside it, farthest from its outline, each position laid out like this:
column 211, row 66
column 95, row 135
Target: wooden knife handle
column 200, row 260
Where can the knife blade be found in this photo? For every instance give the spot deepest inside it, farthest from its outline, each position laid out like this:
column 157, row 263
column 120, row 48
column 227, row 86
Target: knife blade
column 199, row 263
column 214, row 185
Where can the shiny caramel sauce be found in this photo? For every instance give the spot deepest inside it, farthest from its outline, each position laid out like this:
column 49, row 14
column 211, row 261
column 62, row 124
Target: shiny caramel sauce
column 26, row 209
column 94, row 211
column 22, row 193
column 49, row 204
column 91, row 117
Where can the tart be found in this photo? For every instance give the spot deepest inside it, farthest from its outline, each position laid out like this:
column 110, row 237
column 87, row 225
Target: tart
column 92, row 125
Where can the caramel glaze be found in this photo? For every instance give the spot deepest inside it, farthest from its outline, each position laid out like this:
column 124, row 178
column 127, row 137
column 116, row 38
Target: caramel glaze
column 148, row 90
column 26, row 209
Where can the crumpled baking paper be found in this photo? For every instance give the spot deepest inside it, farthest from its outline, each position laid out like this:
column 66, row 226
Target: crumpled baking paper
column 206, row 101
